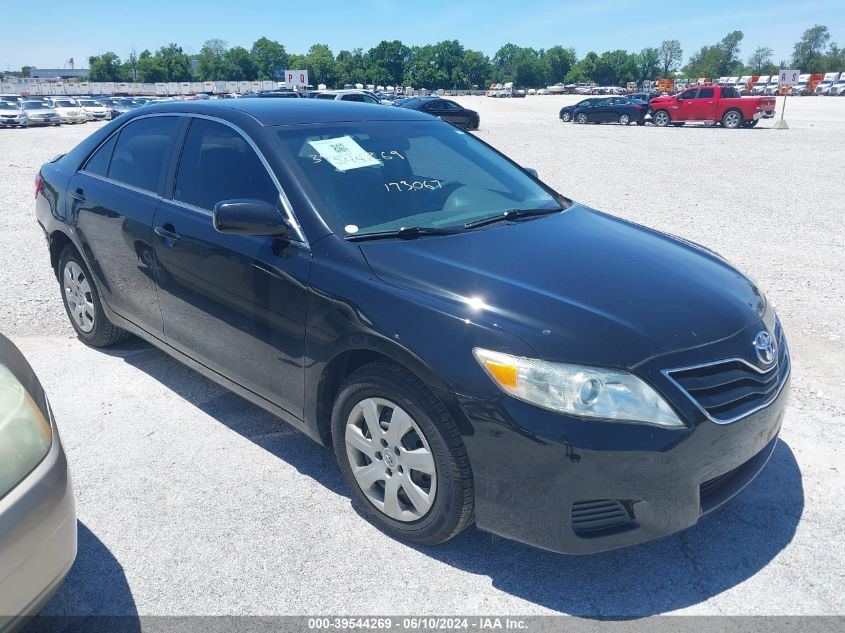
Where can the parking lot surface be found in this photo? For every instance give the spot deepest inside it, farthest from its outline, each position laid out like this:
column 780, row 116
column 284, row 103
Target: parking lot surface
column 193, row 501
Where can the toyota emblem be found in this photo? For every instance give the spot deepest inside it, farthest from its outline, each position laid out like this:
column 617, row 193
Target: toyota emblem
column 766, row 347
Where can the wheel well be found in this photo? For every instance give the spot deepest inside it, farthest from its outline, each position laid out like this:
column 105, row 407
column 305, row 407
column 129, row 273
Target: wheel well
column 338, row 369
column 737, row 110
column 58, row 241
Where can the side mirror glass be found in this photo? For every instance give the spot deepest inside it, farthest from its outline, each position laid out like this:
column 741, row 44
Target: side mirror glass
column 249, row 217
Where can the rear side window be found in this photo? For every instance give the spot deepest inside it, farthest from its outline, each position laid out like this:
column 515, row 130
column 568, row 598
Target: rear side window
column 707, row 93
column 142, row 151
column 729, row 93
column 218, row 164
column 353, row 97
column 98, row 164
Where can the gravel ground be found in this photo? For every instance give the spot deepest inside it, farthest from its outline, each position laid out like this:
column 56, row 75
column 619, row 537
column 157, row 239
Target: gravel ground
column 192, row 501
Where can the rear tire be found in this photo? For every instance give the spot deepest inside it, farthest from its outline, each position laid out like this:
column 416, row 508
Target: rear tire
column 581, row 118
column 732, row 119
column 394, row 471
column 82, row 302
column 661, row 118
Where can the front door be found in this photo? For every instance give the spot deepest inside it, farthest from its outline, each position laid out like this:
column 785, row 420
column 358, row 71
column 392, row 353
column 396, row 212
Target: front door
column 685, row 108
column 448, row 111
column 704, row 105
column 235, row 303
column 113, row 200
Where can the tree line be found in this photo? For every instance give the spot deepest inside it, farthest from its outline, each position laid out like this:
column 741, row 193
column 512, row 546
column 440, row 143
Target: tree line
column 448, row 64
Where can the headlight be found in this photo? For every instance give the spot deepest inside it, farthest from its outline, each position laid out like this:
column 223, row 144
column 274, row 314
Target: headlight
column 591, row 392
column 25, row 435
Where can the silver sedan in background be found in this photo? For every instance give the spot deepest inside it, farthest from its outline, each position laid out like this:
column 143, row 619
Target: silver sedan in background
column 12, row 114
column 37, row 508
column 40, row 113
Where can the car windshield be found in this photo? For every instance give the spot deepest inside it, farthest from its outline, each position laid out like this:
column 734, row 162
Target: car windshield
column 64, row 103
column 88, row 103
column 5, row 105
column 383, row 176
column 35, row 105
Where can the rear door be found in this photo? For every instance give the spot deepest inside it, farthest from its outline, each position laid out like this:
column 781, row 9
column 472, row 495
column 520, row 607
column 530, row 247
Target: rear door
column 113, row 200
column 235, row 303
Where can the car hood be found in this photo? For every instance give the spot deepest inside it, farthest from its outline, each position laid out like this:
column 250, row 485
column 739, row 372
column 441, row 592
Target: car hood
column 579, row 286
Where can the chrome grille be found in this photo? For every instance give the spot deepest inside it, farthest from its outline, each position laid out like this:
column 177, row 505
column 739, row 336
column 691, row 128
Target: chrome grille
column 730, row 389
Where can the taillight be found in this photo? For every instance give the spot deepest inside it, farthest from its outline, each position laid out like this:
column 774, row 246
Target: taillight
column 38, row 182
column 640, row 107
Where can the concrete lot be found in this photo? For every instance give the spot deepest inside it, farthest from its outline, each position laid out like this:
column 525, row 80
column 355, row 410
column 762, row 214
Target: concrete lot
column 192, row 501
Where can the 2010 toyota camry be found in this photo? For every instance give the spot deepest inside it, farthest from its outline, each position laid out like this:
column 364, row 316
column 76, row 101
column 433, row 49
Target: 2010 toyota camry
column 474, row 345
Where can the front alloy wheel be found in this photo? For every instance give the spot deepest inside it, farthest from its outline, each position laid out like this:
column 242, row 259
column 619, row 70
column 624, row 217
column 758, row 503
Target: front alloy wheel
column 660, row 118
column 390, row 459
column 566, row 117
column 401, row 454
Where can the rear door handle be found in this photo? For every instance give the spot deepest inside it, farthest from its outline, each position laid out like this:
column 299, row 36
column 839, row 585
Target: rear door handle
column 168, row 232
column 78, row 195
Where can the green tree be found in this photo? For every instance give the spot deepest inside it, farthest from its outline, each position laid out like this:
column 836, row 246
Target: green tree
column 387, row 62
column 730, row 62
column 239, row 65
column 648, row 64
column 835, row 57
column 671, row 55
column 270, row 57
column 174, row 63
column 529, row 68
column 105, row 67
column 350, row 67
column 150, row 69
column 476, row 67
column 760, row 61
column 422, row 70
column 615, row 68
column 503, row 61
column 448, row 56
column 559, row 61
column 808, row 55
column 211, row 64
column 321, row 65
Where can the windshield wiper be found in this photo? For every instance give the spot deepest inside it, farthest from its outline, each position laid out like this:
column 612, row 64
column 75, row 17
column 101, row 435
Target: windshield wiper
column 507, row 216
column 405, row 233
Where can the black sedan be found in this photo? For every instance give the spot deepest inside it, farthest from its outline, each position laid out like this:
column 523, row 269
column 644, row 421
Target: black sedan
column 381, row 280
column 444, row 109
column 606, row 110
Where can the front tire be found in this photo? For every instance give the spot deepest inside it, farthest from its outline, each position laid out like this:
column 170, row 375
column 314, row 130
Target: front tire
column 566, row 117
column 82, row 302
column 401, row 455
column 661, row 118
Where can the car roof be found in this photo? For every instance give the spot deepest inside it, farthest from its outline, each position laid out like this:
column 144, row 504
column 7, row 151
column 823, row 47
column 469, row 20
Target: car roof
column 291, row 111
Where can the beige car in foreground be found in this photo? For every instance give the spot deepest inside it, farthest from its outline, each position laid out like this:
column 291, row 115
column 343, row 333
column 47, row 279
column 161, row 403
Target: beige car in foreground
column 37, row 508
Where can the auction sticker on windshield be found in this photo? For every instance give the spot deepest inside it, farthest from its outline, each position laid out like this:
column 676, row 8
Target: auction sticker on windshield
column 343, row 153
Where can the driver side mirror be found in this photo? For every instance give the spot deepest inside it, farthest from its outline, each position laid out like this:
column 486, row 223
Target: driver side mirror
column 531, row 172
column 249, row 217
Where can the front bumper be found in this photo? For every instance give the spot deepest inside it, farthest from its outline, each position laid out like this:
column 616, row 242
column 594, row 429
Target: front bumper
column 79, row 118
column 37, row 538
column 579, row 486
column 10, row 121
column 44, row 121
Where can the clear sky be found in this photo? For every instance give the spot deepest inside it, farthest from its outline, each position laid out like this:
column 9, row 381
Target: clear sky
column 79, row 31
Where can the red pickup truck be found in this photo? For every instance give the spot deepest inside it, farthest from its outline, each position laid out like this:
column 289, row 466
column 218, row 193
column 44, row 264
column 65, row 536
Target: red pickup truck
column 716, row 104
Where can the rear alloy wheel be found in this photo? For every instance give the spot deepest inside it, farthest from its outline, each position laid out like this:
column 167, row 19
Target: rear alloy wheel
column 624, row 119
column 732, row 119
column 82, row 303
column 581, row 118
column 566, row 117
column 660, row 118
column 402, row 455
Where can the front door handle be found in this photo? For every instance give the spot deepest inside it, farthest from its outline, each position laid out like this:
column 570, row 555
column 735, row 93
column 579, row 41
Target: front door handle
column 168, row 232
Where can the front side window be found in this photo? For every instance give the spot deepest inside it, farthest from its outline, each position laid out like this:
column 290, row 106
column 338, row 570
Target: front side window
column 142, row 151
column 382, row 176
column 584, row 104
column 353, row 97
column 218, row 164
